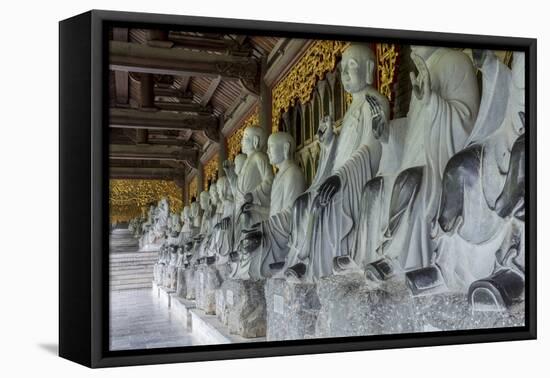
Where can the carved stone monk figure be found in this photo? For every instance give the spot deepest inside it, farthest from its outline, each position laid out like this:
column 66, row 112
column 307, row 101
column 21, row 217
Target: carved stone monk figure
column 253, row 188
column 442, row 112
column 222, row 237
column 256, row 176
column 324, row 219
column 288, row 184
column 482, row 205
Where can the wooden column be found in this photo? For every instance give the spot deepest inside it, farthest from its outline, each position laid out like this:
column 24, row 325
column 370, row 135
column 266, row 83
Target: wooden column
column 200, row 178
column 222, row 151
column 265, row 100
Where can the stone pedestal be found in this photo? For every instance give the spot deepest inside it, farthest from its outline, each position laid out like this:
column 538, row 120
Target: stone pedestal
column 188, row 284
column 351, row 305
column 181, row 308
column 450, row 311
column 207, row 281
column 292, row 309
column 165, row 296
column 241, row 306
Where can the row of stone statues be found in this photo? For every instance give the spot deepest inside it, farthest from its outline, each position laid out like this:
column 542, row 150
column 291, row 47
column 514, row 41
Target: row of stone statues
column 436, row 197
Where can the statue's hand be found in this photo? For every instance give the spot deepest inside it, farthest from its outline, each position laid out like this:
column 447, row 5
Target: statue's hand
column 225, row 223
column 228, row 166
column 422, row 84
column 328, row 189
column 325, row 132
column 379, row 125
column 248, row 208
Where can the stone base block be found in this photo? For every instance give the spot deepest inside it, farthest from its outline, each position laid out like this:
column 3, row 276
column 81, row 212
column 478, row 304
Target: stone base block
column 292, row 309
column 189, row 284
column 165, row 296
column 181, row 308
column 208, row 330
column 207, row 281
column 351, row 305
column 240, row 305
column 451, row 311
column 155, row 291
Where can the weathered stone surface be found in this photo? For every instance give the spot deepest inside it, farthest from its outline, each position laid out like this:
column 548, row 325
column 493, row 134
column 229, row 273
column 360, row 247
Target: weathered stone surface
column 351, row 305
column 292, row 309
column 188, row 281
column 207, row 281
column 450, row 311
column 241, row 307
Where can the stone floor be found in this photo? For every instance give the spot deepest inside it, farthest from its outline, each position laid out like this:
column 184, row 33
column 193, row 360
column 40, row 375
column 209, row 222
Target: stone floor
column 139, row 321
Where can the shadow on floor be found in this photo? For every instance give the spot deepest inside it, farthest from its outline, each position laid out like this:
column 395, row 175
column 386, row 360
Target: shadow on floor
column 50, row 348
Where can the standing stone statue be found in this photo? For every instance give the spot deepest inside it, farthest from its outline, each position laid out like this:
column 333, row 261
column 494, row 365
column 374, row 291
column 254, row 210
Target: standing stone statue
column 324, row 219
column 441, row 116
column 288, row 184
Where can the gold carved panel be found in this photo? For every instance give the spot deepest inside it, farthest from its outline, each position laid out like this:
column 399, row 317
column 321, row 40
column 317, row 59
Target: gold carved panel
column 130, row 198
column 210, row 170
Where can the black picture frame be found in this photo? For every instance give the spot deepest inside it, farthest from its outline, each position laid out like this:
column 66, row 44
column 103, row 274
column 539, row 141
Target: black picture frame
column 83, row 204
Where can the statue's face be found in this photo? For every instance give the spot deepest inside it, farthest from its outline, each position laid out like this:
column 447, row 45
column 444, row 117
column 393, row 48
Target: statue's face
column 354, row 72
column 275, row 151
column 247, row 143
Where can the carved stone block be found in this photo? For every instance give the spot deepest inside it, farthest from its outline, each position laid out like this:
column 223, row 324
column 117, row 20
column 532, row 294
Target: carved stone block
column 292, row 309
column 241, row 307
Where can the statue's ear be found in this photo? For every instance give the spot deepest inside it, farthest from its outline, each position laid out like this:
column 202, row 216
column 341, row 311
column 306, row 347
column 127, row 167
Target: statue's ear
column 286, row 149
column 370, row 72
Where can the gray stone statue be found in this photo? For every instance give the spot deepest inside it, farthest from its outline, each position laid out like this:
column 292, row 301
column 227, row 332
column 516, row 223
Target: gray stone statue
column 324, row 219
column 288, row 184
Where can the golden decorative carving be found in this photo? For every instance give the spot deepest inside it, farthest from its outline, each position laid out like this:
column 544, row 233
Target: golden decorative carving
column 210, row 170
column 299, row 82
column 129, row 198
column 386, row 56
column 193, row 188
column 234, row 141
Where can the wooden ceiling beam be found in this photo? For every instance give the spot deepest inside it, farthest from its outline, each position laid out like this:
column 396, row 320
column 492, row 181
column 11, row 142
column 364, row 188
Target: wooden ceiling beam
column 205, row 99
column 134, row 57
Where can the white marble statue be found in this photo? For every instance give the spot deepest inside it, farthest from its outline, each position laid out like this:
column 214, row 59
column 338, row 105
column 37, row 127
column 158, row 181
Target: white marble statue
column 442, row 112
column 256, row 175
column 482, row 207
column 222, row 239
column 324, row 219
column 288, row 184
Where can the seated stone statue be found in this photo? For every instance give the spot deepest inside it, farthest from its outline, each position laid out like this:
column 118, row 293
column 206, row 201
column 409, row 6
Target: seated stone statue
column 288, row 184
column 233, row 171
column 482, row 207
column 256, row 176
column 324, row 218
column 253, row 187
column 222, row 236
column 441, row 116
column 161, row 219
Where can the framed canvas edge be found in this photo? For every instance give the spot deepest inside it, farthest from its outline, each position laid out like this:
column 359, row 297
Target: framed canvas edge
column 101, row 357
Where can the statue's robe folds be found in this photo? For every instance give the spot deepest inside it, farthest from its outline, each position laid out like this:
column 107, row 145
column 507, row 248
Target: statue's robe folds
column 256, row 177
column 321, row 233
column 288, row 184
column 482, row 206
column 435, row 131
column 222, row 239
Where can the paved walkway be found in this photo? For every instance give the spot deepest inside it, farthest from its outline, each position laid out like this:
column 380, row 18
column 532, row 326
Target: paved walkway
column 139, row 321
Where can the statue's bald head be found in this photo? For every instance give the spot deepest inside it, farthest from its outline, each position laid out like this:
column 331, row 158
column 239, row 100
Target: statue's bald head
column 254, row 139
column 358, row 67
column 280, row 147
